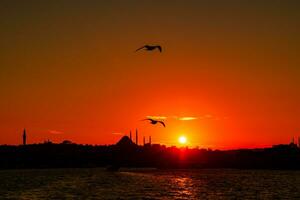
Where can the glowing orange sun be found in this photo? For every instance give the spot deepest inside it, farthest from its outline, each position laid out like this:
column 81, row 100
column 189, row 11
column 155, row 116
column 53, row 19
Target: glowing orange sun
column 182, row 140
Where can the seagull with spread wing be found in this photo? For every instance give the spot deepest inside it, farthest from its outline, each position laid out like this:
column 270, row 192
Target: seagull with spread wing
column 150, row 48
column 153, row 121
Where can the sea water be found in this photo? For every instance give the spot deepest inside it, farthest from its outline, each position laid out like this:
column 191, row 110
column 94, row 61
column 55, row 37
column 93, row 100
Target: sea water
column 97, row 183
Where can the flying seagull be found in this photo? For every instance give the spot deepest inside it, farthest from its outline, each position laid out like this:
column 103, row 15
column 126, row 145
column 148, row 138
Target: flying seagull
column 153, row 121
column 150, row 48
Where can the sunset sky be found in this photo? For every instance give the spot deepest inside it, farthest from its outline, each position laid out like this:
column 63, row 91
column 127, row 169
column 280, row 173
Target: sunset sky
column 228, row 76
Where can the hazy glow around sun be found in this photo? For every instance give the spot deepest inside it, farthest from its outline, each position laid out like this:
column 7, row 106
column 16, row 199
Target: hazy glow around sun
column 182, row 139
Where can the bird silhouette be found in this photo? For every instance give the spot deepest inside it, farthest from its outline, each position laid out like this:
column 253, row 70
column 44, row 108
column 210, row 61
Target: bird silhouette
column 150, row 48
column 153, row 121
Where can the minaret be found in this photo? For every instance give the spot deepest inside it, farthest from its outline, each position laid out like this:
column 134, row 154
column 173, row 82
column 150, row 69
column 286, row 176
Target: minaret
column 130, row 136
column 136, row 137
column 144, row 140
column 150, row 140
column 24, row 137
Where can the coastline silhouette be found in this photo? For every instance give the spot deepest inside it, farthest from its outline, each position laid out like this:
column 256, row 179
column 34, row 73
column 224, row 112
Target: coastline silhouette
column 127, row 153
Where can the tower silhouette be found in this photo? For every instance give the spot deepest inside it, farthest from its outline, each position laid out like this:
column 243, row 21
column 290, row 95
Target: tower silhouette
column 150, row 140
column 136, row 137
column 24, row 137
column 144, row 139
column 130, row 136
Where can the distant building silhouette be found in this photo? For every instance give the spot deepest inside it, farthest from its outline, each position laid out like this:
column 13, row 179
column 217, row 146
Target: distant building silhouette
column 48, row 141
column 150, row 140
column 144, row 139
column 66, row 142
column 299, row 142
column 24, row 137
column 136, row 137
column 126, row 142
column 130, row 137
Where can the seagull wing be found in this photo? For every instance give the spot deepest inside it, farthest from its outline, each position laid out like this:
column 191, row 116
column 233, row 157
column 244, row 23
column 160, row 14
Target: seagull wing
column 159, row 48
column 162, row 123
column 140, row 48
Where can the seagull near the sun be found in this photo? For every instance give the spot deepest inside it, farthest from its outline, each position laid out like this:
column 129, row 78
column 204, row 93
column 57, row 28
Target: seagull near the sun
column 153, row 121
column 150, row 48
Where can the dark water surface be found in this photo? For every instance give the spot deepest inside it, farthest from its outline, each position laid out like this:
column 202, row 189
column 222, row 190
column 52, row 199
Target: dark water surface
column 149, row 184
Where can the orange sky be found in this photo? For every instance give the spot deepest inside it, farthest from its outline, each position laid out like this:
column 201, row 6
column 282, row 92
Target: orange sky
column 68, row 71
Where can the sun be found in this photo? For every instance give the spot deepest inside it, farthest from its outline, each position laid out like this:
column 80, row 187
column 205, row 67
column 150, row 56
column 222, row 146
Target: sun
column 182, row 139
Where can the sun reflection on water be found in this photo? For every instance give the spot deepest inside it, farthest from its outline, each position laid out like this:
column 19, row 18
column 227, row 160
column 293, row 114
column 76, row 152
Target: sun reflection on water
column 183, row 187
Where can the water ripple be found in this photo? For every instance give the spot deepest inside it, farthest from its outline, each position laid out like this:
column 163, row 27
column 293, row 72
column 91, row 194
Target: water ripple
column 149, row 184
